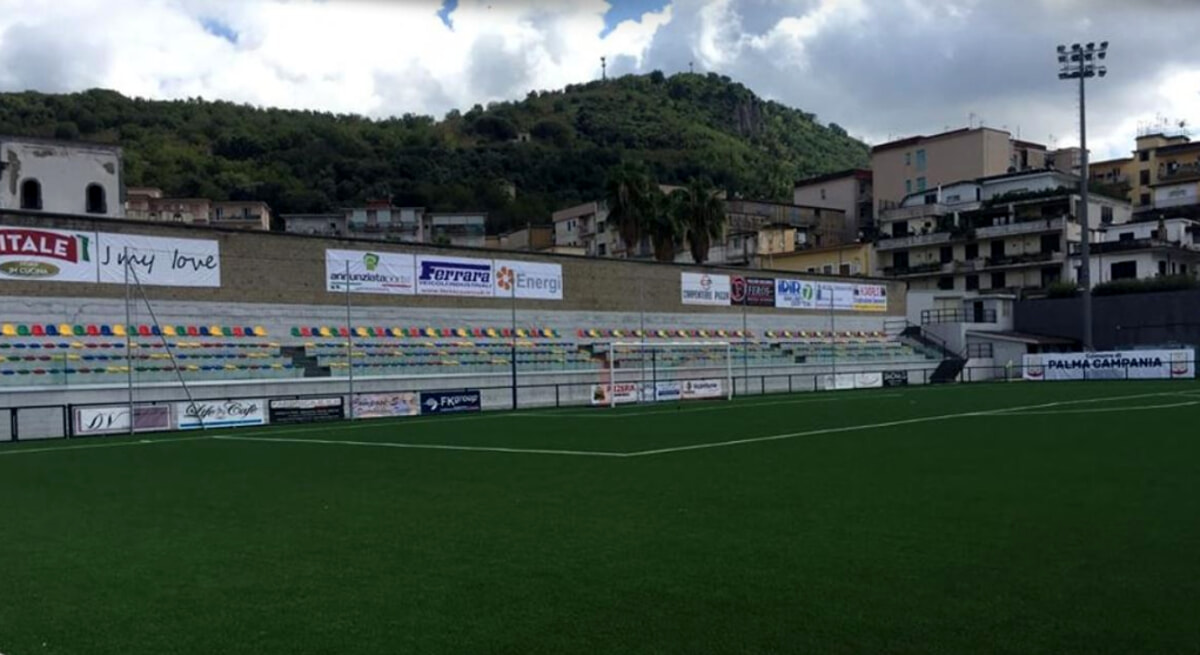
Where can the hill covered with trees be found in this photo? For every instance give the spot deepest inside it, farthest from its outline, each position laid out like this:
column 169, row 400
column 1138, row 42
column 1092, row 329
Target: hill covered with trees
column 681, row 127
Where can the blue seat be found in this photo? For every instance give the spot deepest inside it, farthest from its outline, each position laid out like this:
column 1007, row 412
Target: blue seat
column 51, row 330
column 155, row 331
column 106, row 330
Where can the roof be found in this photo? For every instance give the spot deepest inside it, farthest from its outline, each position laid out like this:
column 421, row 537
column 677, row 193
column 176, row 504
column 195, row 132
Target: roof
column 856, row 173
column 1110, row 161
column 60, row 142
column 1022, row 337
column 922, row 138
column 1028, row 144
column 785, row 204
column 1178, row 147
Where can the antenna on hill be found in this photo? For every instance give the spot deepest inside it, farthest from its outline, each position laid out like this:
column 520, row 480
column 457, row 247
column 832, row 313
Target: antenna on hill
column 604, row 68
column 691, row 67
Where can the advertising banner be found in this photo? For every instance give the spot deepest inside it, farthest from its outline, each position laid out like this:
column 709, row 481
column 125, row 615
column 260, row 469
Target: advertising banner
column 895, row 378
column 1118, row 365
column 531, row 280
column 454, row 276
column 665, row 392
column 753, row 291
column 370, row 272
column 701, row 389
column 220, row 414
column 795, row 294
column 90, row 421
column 704, row 289
column 306, row 410
column 159, row 261
column 383, row 405
column 870, row 298
column 622, row 392
column 868, row 380
column 47, row 255
column 451, row 402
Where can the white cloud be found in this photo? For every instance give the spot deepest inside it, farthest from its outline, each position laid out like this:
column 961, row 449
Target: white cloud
column 877, row 67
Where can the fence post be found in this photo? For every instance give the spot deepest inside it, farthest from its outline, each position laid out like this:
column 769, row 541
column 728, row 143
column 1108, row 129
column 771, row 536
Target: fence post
column 12, row 424
column 557, row 403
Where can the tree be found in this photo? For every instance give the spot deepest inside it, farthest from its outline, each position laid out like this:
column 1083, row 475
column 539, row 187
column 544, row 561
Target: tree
column 662, row 224
column 626, row 192
column 701, row 215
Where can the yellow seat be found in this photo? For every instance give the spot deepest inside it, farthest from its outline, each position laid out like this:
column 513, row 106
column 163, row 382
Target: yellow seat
column 168, row 330
column 118, row 330
column 260, row 331
column 361, row 332
column 397, row 332
column 65, row 329
column 8, row 330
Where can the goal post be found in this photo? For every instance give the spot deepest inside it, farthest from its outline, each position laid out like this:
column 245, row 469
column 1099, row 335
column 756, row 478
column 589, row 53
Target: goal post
column 665, row 371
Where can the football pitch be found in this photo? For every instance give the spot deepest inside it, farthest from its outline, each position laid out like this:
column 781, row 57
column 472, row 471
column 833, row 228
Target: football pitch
column 998, row 518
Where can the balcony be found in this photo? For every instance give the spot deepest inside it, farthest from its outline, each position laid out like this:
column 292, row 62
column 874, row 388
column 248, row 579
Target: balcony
column 1179, row 173
column 1023, row 260
column 919, row 269
column 913, row 241
column 1025, row 227
column 1133, row 244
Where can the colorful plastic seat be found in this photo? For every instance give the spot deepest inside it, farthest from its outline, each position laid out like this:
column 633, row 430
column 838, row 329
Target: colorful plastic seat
column 106, row 330
column 37, row 330
column 22, row 330
column 299, row 332
column 260, row 331
column 361, row 332
column 92, row 330
column 155, row 331
column 8, row 330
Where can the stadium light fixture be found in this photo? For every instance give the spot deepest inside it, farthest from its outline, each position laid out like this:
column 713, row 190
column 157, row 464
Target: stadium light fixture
column 1079, row 63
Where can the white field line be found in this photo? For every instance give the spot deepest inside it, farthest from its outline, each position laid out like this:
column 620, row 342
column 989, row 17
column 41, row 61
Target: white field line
column 92, row 446
column 885, row 424
column 424, row 446
column 1102, row 410
column 713, row 406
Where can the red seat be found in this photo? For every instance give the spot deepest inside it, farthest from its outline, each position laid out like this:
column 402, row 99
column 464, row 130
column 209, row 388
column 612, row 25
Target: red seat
column 343, row 331
column 38, row 330
column 144, row 330
column 93, row 330
column 305, row 332
column 193, row 331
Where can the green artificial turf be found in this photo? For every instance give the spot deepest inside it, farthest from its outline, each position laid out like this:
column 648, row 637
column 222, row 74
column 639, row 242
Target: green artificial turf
column 1073, row 527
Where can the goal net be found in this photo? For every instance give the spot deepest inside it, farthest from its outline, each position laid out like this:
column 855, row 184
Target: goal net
column 641, row 372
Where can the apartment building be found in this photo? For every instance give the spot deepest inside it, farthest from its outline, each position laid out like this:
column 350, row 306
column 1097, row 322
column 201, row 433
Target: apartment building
column 381, row 221
column 532, row 238
column 845, row 259
column 1143, row 249
column 997, row 233
column 65, row 177
column 850, row 191
column 149, row 204
column 1161, row 178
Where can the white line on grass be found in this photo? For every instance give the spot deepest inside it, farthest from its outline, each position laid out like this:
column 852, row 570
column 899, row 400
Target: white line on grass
column 886, row 424
column 1101, row 410
column 92, row 446
column 429, row 446
column 601, row 412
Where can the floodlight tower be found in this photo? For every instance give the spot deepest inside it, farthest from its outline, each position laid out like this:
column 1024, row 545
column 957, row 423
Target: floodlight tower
column 1080, row 62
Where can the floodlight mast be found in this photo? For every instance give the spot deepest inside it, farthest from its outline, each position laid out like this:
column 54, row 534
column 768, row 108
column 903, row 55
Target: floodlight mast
column 1079, row 62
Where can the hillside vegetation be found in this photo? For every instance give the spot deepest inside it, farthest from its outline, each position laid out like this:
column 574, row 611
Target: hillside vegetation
column 682, row 127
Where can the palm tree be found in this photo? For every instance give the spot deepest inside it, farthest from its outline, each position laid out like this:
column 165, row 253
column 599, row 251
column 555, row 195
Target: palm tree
column 662, row 224
column 627, row 195
column 701, row 214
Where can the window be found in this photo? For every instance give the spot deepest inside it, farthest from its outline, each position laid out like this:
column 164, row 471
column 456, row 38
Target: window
column 1144, row 177
column 920, row 184
column 1106, row 214
column 1051, row 275
column 908, row 159
column 822, row 194
column 998, row 281
column 997, row 249
column 1143, row 155
column 827, row 269
column 972, row 251
column 1051, row 243
column 844, row 269
column 972, row 283
column 946, row 283
column 1162, row 268
column 907, row 186
column 95, row 200
column 601, row 249
column 920, row 160
column 31, row 194
column 1123, row 271
column 1144, row 200
column 947, row 254
column 1125, row 237
column 811, row 269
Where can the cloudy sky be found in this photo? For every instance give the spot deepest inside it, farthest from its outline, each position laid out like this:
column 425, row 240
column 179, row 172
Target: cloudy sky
column 880, row 68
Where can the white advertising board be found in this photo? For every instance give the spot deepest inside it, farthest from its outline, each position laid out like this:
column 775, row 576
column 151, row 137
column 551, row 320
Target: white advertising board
column 528, row 280
column 620, row 393
column 383, row 405
column 47, row 255
column 159, row 261
column 220, row 413
column 454, row 276
column 704, row 289
column 370, row 272
column 91, row 421
column 1117, row 365
column 701, row 389
column 837, row 296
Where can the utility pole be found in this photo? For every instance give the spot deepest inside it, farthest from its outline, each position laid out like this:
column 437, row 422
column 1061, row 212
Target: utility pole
column 604, row 68
column 1079, row 62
